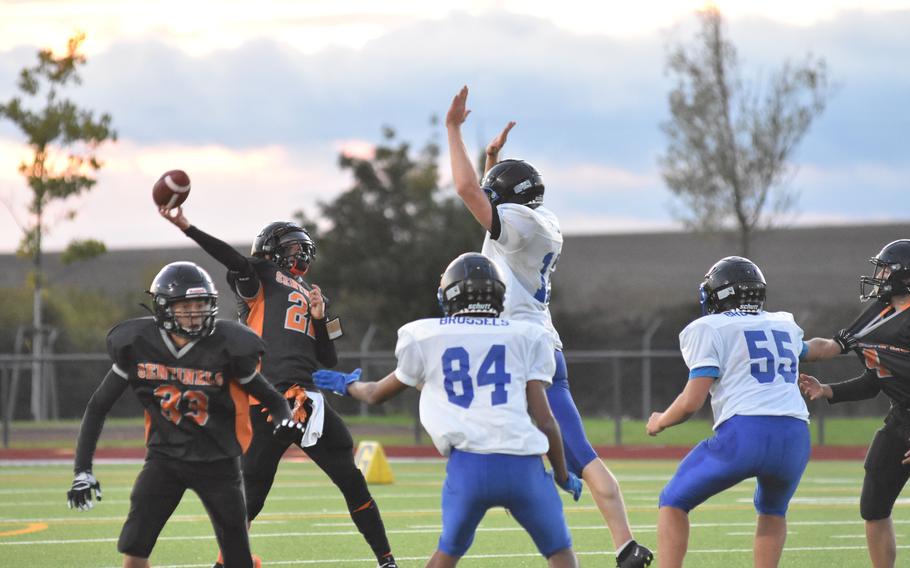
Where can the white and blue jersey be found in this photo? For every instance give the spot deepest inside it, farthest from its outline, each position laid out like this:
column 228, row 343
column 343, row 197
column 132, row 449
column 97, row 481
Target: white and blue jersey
column 526, row 243
column 526, row 249
column 754, row 359
column 760, row 418
column 473, row 374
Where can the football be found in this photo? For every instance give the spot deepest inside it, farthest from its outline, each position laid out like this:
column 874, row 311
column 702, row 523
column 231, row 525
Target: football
column 171, row 189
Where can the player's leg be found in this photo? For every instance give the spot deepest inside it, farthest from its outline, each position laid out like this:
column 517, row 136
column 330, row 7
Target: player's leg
column 156, row 493
column 219, row 486
column 583, row 461
column 672, row 536
column 882, row 543
column 260, row 461
column 536, row 506
column 712, row 466
column 787, row 446
column 441, row 560
column 464, row 503
column 333, row 453
column 884, row 479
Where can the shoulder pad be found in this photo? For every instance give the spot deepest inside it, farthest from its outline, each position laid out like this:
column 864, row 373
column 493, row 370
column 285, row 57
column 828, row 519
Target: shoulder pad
column 240, row 340
column 122, row 336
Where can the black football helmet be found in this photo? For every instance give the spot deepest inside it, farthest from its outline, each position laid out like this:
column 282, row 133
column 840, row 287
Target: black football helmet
column 276, row 241
column 892, row 273
column 178, row 282
column 472, row 284
column 513, row 181
column 733, row 283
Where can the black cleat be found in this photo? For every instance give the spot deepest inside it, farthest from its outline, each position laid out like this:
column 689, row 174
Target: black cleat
column 634, row 556
column 388, row 562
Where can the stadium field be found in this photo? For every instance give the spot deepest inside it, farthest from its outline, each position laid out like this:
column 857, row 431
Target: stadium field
column 305, row 522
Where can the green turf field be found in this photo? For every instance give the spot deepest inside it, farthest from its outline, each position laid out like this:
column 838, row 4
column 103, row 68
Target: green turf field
column 305, row 522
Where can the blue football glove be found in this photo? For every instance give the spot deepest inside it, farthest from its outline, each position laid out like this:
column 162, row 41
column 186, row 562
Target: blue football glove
column 80, row 495
column 335, row 380
column 571, row 485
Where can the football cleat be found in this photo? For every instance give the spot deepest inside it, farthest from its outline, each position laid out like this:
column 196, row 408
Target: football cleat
column 634, row 555
column 388, row 562
column 257, row 562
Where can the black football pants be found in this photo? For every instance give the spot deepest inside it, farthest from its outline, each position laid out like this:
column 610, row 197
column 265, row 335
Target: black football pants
column 333, row 453
column 158, row 490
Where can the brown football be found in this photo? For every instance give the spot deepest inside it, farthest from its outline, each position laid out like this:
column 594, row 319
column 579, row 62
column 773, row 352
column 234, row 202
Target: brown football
column 171, row 189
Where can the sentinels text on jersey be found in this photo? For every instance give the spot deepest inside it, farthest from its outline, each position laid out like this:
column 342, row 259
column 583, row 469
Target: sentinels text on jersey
column 195, row 409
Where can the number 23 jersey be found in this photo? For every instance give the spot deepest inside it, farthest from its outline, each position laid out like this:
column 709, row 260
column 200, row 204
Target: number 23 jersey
column 473, row 372
column 195, row 409
column 757, row 356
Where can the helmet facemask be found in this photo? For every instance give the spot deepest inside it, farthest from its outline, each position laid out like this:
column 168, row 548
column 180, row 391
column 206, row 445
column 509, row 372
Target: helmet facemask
column 296, row 251
column 191, row 316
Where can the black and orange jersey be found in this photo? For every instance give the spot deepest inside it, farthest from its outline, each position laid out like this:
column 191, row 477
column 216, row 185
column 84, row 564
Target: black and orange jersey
column 195, row 408
column 884, row 348
column 279, row 312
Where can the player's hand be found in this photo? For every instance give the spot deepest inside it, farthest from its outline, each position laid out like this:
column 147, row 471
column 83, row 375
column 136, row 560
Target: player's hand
column 571, row 485
column 812, row 388
column 317, row 303
column 335, row 380
column 653, row 427
column 175, row 216
column 497, row 143
column 845, row 340
column 80, row 495
column 906, row 460
column 457, row 112
column 289, row 430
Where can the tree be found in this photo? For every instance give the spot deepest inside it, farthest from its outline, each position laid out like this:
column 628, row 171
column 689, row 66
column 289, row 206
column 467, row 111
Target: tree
column 391, row 235
column 64, row 139
column 730, row 144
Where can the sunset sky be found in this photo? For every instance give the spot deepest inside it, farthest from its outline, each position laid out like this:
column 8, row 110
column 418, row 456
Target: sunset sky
column 256, row 100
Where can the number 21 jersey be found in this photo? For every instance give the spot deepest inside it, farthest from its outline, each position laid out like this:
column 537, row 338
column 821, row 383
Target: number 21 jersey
column 757, row 356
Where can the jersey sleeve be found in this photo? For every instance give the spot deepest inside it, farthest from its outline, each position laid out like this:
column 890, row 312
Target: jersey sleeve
column 515, row 225
column 700, row 346
column 244, row 347
column 410, row 369
column 542, row 358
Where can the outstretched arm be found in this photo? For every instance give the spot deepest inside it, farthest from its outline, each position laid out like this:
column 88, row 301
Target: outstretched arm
column 495, row 146
column 689, row 401
column 247, row 279
column 349, row 384
column 466, row 184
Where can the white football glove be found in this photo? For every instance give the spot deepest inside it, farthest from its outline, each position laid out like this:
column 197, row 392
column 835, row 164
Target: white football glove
column 80, row 495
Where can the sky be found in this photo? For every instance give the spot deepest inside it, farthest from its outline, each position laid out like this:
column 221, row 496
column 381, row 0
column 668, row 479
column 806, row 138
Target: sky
column 255, row 100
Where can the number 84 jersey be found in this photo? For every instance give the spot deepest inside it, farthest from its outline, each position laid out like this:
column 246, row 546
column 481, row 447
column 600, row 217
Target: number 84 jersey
column 754, row 359
column 473, row 372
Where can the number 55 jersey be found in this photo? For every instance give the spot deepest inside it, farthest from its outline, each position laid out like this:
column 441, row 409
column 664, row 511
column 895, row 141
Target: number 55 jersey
column 754, row 359
column 473, row 372
column 195, row 409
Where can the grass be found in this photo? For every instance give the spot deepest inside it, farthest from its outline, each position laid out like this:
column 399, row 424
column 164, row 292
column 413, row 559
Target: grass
column 398, row 430
column 305, row 522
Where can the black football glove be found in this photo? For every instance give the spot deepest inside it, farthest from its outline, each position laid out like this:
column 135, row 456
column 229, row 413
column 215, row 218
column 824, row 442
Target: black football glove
column 289, row 431
column 80, row 495
column 845, row 340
